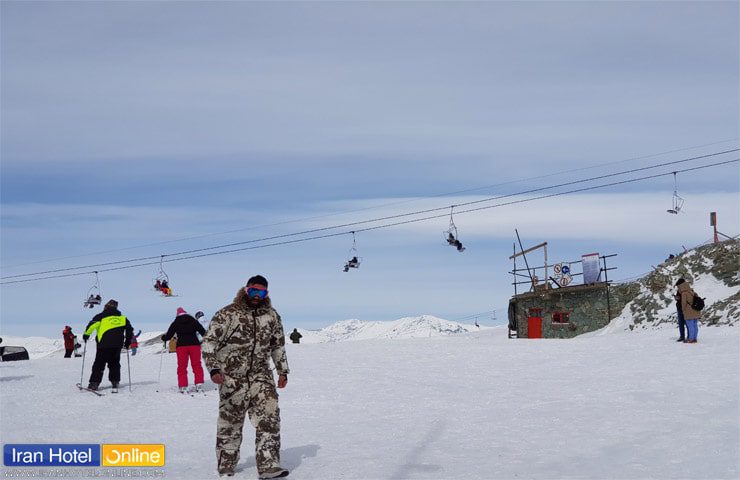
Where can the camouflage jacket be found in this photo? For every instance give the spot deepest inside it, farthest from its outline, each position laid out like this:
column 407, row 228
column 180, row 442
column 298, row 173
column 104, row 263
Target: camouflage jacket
column 241, row 339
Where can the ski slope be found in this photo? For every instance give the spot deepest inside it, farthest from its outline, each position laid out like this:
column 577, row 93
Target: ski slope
column 474, row 405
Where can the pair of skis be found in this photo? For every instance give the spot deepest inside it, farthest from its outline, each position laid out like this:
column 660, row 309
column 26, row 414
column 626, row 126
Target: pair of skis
column 99, row 394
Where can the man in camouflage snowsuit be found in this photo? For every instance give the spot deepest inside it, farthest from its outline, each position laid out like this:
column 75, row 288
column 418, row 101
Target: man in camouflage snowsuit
column 237, row 348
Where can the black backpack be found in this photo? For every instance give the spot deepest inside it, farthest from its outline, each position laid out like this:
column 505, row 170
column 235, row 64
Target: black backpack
column 697, row 303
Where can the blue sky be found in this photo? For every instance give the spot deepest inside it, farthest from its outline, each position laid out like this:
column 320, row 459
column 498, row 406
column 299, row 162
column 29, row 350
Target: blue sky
column 133, row 123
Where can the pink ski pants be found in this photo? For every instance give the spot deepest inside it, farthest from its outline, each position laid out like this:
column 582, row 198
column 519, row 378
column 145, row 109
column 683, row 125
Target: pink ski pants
column 191, row 352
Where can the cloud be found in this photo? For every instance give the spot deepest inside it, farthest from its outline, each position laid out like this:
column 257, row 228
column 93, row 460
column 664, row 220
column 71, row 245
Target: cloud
column 353, row 79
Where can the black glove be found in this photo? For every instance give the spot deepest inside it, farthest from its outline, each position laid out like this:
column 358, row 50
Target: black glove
column 85, row 338
column 162, row 337
column 126, row 345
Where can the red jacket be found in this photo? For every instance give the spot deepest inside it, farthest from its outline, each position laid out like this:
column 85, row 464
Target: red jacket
column 69, row 339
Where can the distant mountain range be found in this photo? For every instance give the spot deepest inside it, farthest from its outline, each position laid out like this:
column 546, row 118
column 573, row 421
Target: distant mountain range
column 407, row 327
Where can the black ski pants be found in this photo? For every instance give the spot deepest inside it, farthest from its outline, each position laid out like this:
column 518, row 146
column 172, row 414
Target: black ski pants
column 111, row 357
column 68, row 352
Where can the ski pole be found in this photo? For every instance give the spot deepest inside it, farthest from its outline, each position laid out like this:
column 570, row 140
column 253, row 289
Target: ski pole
column 159, row 376
column 84, row 350
column 128, row 362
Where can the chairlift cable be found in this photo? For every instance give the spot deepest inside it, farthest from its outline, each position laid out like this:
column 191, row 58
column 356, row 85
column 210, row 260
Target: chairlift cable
column 375, row 220
column 378, row 206
column 415, row 220
column 376, row 227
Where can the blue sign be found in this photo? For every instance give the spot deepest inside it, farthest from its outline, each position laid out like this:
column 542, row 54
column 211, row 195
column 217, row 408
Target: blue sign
column 565, row 270
column 51, row 455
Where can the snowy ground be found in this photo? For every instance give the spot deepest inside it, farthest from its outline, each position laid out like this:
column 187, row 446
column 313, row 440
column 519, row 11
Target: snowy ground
column 477, row 405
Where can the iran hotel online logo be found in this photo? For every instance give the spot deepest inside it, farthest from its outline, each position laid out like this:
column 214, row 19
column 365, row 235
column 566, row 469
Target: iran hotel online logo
column 83, row 455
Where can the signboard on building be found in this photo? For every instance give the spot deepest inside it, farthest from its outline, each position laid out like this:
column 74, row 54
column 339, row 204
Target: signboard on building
column 591, row 268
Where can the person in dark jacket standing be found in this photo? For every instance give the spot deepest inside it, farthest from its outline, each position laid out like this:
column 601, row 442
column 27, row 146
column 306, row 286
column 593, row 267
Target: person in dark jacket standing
column 679, row 313
column 188, row 348
column 296, row 336
column 69, row 341
column 114, row 331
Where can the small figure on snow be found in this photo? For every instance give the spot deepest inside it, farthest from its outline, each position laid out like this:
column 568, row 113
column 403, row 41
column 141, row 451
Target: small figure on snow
column 296, row 336
column 69, row 341
column 690, row 315
column 135, row 343
column 679, row 314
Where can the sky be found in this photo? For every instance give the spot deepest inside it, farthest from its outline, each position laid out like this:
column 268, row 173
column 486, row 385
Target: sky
column 139, row 129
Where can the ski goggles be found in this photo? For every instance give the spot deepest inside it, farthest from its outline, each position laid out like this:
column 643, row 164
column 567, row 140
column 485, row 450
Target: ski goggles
column 256, row 292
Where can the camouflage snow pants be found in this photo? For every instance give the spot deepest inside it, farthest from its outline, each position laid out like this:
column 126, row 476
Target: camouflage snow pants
column 260, row 400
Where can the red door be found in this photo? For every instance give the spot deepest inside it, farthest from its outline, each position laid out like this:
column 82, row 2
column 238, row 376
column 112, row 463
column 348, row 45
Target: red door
column 534, row 323
column 534, row 327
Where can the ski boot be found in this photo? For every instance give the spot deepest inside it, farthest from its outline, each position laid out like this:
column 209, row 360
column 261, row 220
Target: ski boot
column 275, row 472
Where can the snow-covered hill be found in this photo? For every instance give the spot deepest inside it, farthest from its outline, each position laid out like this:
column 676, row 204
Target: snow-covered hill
column 712, row 270
column 474, row 406
column 407, row 327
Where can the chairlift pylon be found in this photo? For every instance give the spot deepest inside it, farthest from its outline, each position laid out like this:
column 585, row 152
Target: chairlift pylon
column 354, row 260
column 450, row 235
column 94, row 297
column 676, row 201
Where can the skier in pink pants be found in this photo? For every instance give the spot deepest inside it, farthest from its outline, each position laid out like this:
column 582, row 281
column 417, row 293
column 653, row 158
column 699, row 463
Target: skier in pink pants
column 188, row 348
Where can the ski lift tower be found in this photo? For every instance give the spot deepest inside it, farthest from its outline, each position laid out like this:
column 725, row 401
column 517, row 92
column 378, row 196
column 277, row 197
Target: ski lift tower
column 717, row 233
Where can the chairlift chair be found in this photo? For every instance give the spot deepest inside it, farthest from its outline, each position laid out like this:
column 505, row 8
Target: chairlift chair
column 162, row 281
column 450, row 235
column 676, row 201
column 94, row 297
column 354, row 260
